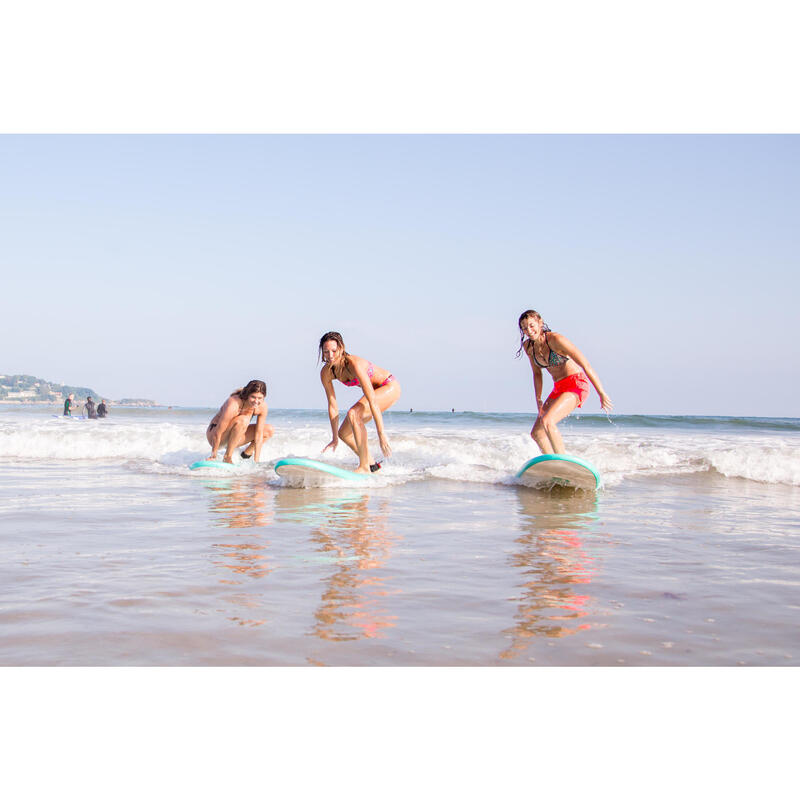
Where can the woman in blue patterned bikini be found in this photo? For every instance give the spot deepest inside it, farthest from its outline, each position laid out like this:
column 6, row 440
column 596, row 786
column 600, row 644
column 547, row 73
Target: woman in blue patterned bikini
column 571, row 373
column 381, row 390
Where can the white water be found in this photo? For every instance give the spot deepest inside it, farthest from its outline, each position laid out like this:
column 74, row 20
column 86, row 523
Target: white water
column 482, row 451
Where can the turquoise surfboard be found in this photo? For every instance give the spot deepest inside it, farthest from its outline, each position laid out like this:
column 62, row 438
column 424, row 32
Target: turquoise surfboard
column 307, row 468
column 217, row 464
column 547, row 471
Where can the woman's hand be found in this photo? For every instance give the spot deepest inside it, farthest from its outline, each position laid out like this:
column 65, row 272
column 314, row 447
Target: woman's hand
column 384, row 443
column 331, row 444
column 605, row 402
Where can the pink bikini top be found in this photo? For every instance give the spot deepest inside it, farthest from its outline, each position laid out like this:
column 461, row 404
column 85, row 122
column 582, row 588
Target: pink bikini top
column 354, row 382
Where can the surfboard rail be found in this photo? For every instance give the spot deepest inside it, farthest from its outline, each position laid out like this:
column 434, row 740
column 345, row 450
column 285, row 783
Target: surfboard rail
column 212, row 464
column 302, row 465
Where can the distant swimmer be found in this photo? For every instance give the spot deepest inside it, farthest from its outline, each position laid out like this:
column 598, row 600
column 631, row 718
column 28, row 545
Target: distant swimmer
column 102, row 411
column 69, row 404
column 232, row 425
column 91, row 411
column 571, row 373
column 381, row 391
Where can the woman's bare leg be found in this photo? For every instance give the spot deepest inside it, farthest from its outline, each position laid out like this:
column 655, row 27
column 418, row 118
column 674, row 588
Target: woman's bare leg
column 354, row 428
column 545, row 433
column 224, row 439
column 236, row 435
column 356, row 418
column 250, row 437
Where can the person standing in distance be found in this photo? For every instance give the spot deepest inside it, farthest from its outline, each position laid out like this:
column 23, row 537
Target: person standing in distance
column 69, row 404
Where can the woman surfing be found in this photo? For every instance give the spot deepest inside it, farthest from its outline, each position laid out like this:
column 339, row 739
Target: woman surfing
column 232, row 425
column 381, row 391
column 571, row 373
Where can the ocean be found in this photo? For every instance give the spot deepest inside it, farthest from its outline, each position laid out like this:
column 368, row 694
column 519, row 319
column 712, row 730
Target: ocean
column 115, row 553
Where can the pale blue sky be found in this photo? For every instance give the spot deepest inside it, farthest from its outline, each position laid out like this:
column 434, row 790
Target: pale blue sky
column 178, row 267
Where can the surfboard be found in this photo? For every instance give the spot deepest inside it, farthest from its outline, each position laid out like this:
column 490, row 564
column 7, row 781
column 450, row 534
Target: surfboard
column 315, row 471
column 217, row 464
column 546, row 471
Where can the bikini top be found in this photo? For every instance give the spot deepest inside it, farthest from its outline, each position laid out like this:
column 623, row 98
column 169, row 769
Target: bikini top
column 554, row 360
column 355, row 382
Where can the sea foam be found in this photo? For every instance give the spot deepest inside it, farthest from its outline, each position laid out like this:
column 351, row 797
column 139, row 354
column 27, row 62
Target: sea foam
column 482, row 453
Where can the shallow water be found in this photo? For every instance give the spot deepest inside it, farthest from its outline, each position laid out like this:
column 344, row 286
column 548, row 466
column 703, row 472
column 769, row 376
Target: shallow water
column 134, row 559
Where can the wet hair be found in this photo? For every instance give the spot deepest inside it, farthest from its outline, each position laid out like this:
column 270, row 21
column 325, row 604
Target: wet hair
column 523, row 340
column 251, row 388
column 333, row 336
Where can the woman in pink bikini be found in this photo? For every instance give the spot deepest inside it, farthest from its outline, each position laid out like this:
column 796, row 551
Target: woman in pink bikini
column 381, row 390
column 571, row 373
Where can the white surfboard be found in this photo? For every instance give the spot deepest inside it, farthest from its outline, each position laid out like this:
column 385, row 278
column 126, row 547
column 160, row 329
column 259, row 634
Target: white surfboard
column 547, row 471
column 315, row 473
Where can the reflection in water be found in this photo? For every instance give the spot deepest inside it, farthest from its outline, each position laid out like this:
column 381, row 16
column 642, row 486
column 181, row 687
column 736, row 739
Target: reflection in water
column 556, row 568
column 243, row 504
column 357, row 541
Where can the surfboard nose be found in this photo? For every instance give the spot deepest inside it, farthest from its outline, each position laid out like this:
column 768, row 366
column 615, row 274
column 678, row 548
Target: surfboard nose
column 559, row 470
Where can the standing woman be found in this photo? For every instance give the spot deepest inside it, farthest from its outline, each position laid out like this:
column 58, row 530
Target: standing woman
column 571, row 373
column 381, row 390
column 232, row 425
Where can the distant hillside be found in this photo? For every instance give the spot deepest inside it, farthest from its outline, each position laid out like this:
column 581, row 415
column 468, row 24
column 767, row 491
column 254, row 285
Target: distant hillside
column 136, row 401
column 32, row 389
column 29, row 389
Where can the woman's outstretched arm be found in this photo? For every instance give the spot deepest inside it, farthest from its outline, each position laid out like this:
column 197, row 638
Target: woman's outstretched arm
column 565, row 347
column 333, row 408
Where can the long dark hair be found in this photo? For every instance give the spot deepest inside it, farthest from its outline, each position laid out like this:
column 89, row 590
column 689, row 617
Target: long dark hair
column 523, row 340
column 334, row 336
column 251, row 388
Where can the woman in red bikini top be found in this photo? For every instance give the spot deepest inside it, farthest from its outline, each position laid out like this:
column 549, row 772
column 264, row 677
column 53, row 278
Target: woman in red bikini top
column 571, row 373
column 381, row 390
